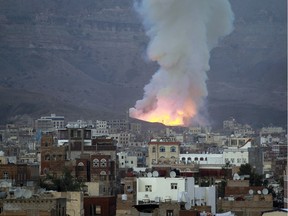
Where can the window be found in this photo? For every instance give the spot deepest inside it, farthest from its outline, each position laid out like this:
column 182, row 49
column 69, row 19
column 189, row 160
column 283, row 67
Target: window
column 238, row 160
column 169, row 213
column 162, row 149
column 95, row 209
column 173, row 186
column 103, row 163
column 95, row 162
column 172, row 149
column 153, row 149
column 196, row 159
column 47, row 157
column 80, row 166
column 148, row 188
column 232, row 160
column 5, row 175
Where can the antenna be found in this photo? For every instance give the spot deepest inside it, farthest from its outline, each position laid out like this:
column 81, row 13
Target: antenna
column 155, row 173
column 149, row 174
column 259, row 192
column 172, row 174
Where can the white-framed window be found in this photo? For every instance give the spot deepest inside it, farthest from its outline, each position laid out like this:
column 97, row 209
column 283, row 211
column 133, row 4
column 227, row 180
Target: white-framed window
column 95, row 162
column 103, row 162
column 162, row 149
column 173, row 186
column 148, row 188
column 172, row 149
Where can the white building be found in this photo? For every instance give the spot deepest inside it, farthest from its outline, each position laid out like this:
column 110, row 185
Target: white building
column 98, row 132
column 237, row 156
column 126, row 161
column 47, row 123
column 202, row 158
column 100, row 124
column 174, row 189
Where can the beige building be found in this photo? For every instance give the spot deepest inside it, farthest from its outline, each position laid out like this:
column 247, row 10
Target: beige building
column 163, row 152
column 245, row 200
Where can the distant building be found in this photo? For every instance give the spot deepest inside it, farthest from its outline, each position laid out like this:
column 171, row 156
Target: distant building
column 126, row 161
column 162, row 151
column 242, row 199
column 50, row 123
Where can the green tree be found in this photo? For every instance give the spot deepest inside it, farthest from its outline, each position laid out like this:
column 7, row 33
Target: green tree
column 66, row 182
column 254, row 179
column 245, row 169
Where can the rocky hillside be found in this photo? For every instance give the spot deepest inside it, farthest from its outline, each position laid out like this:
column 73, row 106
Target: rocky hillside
column 86, row 58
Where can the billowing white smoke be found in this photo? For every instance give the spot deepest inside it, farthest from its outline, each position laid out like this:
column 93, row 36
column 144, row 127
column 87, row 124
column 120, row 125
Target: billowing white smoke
column 182, row 34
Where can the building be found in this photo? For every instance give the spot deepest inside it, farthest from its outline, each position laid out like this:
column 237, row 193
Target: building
column 126, row 161
column 285, row 176
column 53, row 157
column 237, row 154
column 50, row 123
column 242, row 199
column 163, row 151
column 167, row 195
column 44, row 205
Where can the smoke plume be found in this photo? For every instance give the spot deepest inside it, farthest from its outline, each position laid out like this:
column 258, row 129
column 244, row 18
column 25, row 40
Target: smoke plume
column 182, row 34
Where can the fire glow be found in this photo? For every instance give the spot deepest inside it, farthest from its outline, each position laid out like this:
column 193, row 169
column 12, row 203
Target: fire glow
column 182, row 34
column 170, row 117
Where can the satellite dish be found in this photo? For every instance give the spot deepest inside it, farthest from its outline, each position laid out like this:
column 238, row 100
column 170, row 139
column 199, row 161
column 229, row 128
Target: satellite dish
column 18, row 193
column 251, row 191
column 155, row 173
column 27, row 194
column 149, row 174
column 259, row 192
column 172, row 174
column 236, row 176
column 265, row 191
column 188, row 206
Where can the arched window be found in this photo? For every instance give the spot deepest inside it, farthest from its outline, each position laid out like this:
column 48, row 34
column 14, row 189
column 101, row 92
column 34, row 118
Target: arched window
column 153, row 149
column 80, row 166
column 205, row 158
column 103, row 163
column 103, row 172
column 172, row 149
column 47, row 157
column 201, row 159
column 95, row 162
column 189, row 160
column 183, row 159
column 162, row 149
column 196, row 159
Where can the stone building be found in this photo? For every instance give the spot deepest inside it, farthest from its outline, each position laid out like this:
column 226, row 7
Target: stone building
column 53, row 157
column 162, row 151
column 244, row 200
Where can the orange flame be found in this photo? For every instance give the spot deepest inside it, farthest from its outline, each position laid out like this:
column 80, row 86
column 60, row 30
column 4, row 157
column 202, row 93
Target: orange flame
column 165, row 113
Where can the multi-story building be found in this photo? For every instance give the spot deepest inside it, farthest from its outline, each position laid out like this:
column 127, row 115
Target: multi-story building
column 50, row 123
column 53, row 157
column 237, row 154
column 127, row 161
column 121, row 124
column 242, row 199
column 285, row 177
column 163, row 151
column 164, row 195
